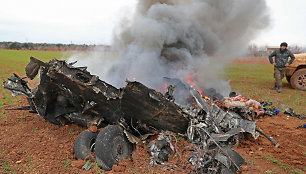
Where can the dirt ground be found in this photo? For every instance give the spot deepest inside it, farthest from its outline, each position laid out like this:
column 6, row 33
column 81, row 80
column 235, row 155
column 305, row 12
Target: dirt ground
column 30, row 144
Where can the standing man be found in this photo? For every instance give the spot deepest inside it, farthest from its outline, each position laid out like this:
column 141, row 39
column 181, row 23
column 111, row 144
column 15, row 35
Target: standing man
column 280, row 61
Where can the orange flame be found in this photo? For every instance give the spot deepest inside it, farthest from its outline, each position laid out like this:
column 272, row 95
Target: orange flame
column 132, row 78
column 190, row 81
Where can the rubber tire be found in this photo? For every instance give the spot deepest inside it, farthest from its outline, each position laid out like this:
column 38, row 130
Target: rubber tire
column 83, row 143
column 108, row 143
column 294, row 78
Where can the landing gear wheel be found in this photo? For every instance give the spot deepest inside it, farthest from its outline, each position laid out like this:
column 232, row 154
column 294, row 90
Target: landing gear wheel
column 298, row 79
column 111, row 146
column 85, row 144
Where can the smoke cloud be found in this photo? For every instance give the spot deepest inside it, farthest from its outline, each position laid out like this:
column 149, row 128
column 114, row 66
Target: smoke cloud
column 187, row 39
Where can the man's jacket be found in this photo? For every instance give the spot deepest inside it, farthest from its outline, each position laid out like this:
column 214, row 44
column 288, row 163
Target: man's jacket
column 281, row 58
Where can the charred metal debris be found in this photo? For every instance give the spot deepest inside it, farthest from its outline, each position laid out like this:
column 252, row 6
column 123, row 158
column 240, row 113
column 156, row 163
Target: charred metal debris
column 289, row 111
column 71, row 94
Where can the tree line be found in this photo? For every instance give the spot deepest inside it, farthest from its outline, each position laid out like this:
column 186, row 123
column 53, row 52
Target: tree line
column 48, row 46
column 259, row 51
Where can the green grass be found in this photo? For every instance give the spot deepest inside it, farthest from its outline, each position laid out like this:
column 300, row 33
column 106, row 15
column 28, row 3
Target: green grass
column 1, row 103
column 273, row 160
column 97, row 169
column 255, row 81
column 17, row 59
column 82, row 129
column 67, row 163
column 6, row 166
column 69, row 131
column 272, row 171
column 6, row 93
column 8, row 98
column 31, row 168
column 280, row 164
column 30, row 159
column 3, row 117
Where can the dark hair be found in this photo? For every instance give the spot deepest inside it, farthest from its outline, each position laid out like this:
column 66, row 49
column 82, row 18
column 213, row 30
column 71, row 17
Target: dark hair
column 284, row 44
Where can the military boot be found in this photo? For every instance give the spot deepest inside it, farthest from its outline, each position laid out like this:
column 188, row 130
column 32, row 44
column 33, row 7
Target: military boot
column 279, row 90
column 274, row 88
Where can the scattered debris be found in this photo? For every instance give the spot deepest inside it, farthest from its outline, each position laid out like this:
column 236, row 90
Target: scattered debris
column 212, row 123
column 240, row 101
column 169, row 93
column 212, row 130
column 290, row 112
column 20, row 108
column 160, row 150
column 302, row 126
column 269, row 109
column 224, row 160
column 87, row 165
column 269, row 138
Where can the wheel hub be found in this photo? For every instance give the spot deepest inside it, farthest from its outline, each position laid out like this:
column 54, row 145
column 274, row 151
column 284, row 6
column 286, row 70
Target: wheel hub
column 301, row 80
column 119, row 150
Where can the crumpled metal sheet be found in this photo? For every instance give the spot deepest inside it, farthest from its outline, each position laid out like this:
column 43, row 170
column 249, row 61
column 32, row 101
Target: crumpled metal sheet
column 133, row 139
column 227, row 135
column 215, row 132
column 17, row 86
column 229, row 158
column 33, row 67
column 160, row 150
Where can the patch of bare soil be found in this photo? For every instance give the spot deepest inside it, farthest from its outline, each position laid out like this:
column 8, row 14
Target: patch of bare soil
column 253, row 60
column 261, row 156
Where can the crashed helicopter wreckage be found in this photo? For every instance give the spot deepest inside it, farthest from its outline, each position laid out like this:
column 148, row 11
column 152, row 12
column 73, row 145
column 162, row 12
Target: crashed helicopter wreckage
column 131, row 114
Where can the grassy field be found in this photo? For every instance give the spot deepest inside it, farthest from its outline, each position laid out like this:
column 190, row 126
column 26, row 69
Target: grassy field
column 256, row 80
column 16, row 60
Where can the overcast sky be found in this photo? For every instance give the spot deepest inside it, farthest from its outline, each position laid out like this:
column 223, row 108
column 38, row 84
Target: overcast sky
column 92, row 21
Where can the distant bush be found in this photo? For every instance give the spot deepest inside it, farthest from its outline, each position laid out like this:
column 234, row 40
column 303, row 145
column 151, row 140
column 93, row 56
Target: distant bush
column 15, row 46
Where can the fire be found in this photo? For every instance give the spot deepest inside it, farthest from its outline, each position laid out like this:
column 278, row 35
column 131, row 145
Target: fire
column 204, row 96
column 190, row 81
column 131, row 78
column 165, row 86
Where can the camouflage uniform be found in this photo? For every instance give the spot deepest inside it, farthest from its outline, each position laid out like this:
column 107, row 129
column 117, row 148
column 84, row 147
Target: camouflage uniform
column 279, row 74
column 281, row 59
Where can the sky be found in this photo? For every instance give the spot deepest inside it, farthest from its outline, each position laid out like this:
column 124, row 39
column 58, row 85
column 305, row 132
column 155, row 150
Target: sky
column 93, row 21
column 288, row 23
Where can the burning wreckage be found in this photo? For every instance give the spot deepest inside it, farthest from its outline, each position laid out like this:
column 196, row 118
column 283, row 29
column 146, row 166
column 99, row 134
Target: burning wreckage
column 131, row 114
